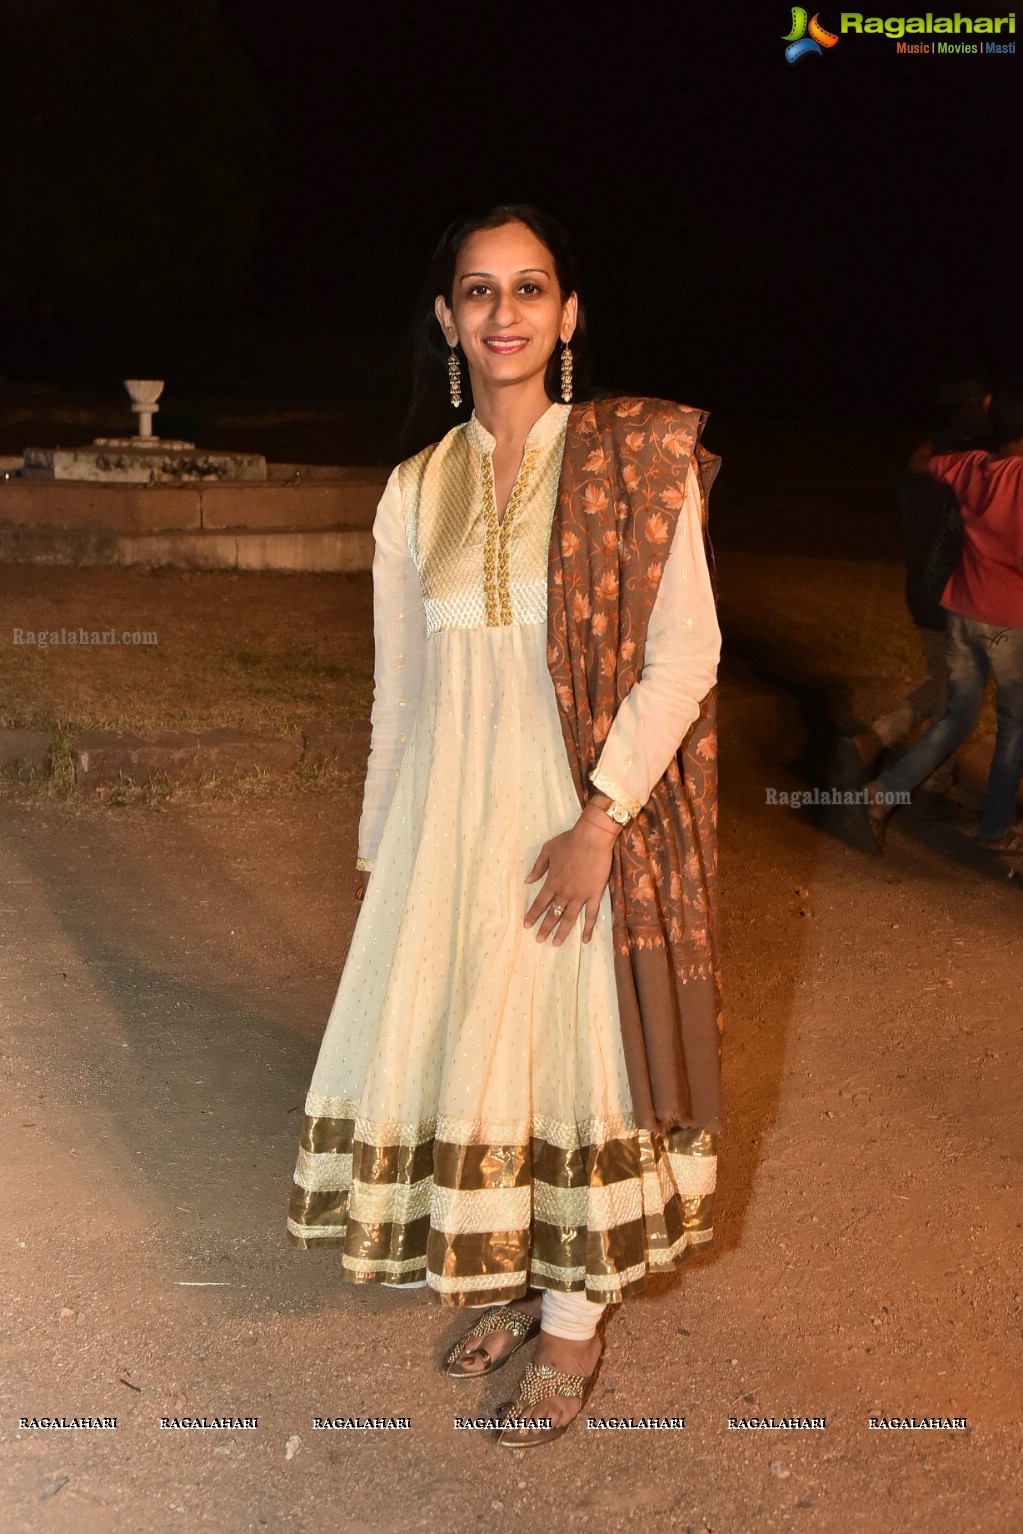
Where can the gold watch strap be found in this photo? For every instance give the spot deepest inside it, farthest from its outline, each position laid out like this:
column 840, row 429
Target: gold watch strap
column 608, row 805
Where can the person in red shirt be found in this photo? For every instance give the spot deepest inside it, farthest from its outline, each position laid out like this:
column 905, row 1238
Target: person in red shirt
column 932, row 540
column 984, row 599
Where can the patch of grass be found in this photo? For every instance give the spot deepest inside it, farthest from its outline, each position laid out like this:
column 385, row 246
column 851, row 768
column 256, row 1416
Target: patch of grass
column 156, row 791
column 263, row 652
column 62, row 765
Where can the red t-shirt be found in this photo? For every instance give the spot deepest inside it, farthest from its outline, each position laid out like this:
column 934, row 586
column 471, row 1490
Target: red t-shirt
column 987, row 583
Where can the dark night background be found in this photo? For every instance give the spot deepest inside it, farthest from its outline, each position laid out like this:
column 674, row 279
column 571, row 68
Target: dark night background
column 240, row 196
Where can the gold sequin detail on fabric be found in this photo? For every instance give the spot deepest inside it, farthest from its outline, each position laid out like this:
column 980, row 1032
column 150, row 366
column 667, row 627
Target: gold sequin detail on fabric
column 474, row 570
column 491, row 540
column 496, row 549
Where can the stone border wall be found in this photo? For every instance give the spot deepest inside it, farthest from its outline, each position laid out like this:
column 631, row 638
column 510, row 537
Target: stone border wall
column 276, row 524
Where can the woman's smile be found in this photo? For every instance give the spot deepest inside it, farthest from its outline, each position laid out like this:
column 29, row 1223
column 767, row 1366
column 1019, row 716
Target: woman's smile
column 505, row 345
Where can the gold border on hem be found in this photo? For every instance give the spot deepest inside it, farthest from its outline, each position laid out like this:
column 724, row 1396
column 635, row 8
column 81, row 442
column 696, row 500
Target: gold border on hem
column 474, row 1218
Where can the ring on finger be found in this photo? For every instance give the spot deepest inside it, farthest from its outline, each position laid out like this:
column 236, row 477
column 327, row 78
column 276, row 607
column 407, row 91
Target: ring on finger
column 559, row 910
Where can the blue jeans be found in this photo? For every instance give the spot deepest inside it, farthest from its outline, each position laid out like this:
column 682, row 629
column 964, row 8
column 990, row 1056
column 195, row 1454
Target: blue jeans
column 974, row 648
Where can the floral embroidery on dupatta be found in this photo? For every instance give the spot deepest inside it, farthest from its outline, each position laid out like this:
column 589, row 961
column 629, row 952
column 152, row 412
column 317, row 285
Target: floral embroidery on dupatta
column 619, row 498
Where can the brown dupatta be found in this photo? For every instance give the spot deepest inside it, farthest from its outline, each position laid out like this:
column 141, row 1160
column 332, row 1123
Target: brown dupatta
column 619, row 498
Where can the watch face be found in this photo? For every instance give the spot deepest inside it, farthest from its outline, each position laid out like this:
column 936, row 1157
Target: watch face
column 618, row 812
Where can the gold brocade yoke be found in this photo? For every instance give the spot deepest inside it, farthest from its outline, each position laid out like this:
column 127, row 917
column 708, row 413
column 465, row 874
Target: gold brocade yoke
column 477, row 570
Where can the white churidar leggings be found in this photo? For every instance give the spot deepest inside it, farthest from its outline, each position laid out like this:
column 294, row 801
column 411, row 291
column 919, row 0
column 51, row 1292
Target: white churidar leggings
column 571, row 1316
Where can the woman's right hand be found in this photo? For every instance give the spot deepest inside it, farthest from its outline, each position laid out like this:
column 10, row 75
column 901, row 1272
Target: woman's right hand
column 577, row 864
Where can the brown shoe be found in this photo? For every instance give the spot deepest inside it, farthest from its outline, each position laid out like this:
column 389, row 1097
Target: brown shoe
column 867, row 824
column 877, row 816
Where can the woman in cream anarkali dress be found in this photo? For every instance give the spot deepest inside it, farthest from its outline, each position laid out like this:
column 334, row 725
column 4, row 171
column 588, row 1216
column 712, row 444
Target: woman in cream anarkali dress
column 469, row 1124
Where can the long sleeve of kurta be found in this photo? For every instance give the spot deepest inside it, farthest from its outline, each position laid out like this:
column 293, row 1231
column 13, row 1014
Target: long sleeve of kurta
column 679, row 668
column 399, row 635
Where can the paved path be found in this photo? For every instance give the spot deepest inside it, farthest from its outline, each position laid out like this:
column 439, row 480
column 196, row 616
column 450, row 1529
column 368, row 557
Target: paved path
column 165, row 975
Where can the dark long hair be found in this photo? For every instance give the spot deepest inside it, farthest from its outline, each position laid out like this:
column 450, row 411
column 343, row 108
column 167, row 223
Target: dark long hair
column 430, row 414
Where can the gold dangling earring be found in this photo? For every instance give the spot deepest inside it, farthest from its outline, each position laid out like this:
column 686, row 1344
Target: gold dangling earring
column 454, row 378
column 566, row 373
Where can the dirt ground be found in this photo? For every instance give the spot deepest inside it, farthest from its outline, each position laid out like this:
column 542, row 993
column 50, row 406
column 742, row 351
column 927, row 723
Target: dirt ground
column 166, row 969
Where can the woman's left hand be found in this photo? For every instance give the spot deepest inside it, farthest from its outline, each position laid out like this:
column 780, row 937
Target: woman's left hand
column 577, row 864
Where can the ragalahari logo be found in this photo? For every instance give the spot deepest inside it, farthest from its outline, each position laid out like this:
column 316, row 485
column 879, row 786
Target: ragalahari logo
column 799, row 43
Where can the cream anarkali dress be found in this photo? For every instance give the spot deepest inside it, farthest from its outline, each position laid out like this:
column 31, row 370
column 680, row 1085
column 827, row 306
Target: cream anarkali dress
column 469, row 1119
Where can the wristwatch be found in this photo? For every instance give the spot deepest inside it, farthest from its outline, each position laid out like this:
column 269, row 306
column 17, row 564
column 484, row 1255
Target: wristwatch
column 618, row 813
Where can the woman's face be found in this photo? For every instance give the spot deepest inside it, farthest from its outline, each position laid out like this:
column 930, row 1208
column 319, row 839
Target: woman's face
column 506, row 306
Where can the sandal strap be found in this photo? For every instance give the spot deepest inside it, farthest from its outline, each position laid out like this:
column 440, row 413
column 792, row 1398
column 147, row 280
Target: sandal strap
column 542, row 1380
column 502, row 1318
column 499, row 1318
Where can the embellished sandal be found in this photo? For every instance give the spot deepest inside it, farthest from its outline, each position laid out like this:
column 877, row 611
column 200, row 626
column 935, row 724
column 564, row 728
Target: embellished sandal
column 539, row 1382
column 499, row 1318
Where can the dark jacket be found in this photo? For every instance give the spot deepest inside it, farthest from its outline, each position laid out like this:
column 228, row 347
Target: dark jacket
column 932, row 534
